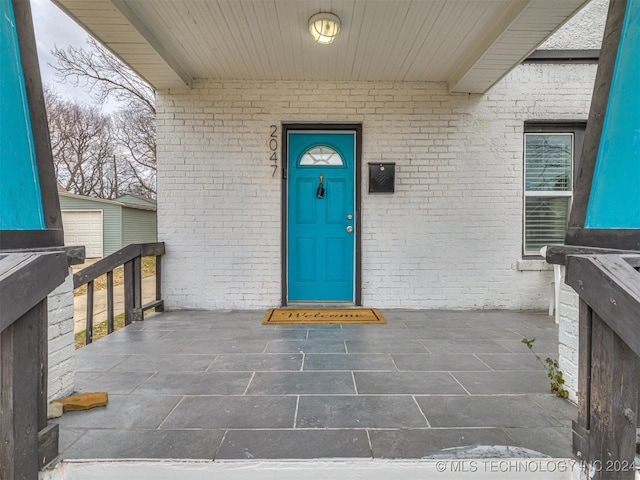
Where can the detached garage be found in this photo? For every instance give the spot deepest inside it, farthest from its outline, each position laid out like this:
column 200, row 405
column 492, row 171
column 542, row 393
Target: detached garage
column 105, row 226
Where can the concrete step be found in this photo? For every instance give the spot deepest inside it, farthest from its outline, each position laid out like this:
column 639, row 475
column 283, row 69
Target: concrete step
column 471, row 469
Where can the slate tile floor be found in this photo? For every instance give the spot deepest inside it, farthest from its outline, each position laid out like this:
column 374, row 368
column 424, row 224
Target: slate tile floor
column 219, row 385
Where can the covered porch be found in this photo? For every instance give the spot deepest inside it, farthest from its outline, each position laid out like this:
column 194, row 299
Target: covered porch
column 219, row 385
column 216, row 385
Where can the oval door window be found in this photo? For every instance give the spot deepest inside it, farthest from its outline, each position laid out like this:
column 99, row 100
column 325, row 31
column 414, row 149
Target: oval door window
column 322, row 156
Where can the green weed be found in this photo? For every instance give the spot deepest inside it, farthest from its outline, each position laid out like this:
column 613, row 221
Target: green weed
column 552, row 368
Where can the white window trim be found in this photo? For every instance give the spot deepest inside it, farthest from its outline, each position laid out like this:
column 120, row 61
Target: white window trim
column 544, row 193
column 549, row 193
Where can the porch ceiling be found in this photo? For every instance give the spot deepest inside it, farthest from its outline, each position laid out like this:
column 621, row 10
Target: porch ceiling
column 470, row 44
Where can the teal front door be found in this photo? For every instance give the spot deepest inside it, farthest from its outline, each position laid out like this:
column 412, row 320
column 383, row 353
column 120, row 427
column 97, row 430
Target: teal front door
column 321, row 216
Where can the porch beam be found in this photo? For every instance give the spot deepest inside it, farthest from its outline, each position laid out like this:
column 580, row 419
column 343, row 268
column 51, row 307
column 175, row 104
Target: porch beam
column 116, row 31
column 473, row 59
column 519, row 31
column 153, row 41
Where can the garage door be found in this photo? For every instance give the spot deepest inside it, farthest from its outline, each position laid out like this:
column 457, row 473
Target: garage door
column 84, row 228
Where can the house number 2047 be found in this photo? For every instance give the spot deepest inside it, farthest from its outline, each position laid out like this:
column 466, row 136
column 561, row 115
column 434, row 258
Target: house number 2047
column 273, row 147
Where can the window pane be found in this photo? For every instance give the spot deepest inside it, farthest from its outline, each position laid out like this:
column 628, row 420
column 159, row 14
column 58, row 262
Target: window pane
column 548, row 162
column 321, row 156
column 546, row 221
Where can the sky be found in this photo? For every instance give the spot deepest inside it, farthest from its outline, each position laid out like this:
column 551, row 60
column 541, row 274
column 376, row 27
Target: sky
column 54, row 27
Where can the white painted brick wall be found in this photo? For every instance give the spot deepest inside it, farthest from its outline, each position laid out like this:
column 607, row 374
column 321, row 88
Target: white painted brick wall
column 61, row 340
column 568, row 339
column 450, row 236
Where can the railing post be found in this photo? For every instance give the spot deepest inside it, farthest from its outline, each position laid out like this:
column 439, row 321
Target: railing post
column 89, row 320
column 26, row 442
column 581, row 426
column 47, row 434
column 20, row 361
column 129, row 292
column 614, row 399
column 160, row 307
column 137, row 290
column 110, row 302
column 609, row 363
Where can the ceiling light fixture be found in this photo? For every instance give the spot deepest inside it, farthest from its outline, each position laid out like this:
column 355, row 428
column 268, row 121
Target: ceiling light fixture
column 324, row 27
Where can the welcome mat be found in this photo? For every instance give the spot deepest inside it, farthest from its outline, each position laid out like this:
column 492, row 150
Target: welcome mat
column 310, row 316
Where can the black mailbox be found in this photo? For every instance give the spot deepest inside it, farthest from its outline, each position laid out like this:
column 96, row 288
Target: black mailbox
column 382, row 177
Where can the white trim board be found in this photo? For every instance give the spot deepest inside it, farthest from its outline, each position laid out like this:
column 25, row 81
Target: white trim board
column 471, row 469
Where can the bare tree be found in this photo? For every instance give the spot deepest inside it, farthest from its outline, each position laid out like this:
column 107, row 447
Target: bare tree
column 85, row 150
column 136, row 134
column 104, row 75
column 82, row 145
column 107, row 78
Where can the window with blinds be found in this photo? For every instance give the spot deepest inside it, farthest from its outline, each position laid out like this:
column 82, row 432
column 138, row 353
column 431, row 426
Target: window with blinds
column 548, row 187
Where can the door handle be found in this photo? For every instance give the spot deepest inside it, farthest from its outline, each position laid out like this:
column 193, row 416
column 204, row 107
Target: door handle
column 320, row 190
column 349, row 229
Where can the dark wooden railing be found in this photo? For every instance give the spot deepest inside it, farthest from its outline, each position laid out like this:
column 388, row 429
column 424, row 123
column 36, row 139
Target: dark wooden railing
column 27, row 443
column 605, row 433
column 131, row 257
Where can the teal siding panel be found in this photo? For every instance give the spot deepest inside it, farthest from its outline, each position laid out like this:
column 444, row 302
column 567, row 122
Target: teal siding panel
column 615, row 196
column 20, row 196
column 138, row 226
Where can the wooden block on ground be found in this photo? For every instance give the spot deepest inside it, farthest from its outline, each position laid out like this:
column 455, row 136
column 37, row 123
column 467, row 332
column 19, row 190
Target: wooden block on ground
column 83, row 401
